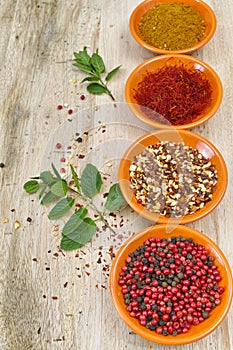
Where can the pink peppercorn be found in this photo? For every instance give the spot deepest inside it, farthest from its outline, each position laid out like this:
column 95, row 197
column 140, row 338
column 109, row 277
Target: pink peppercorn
column 158, row 276
column 58, row 145
column 70, row 111
column 82, row 97
column 59, row 107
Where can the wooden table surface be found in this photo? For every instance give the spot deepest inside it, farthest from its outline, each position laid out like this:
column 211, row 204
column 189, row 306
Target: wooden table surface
column 51, row 299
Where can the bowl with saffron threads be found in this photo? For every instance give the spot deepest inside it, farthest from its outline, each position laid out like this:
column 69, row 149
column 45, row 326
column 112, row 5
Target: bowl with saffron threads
column 173, row 91
column 172, row 177
column 146, row 294
column 172, row 26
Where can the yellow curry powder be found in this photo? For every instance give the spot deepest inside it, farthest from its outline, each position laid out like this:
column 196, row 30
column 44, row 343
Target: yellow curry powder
column 172, row 26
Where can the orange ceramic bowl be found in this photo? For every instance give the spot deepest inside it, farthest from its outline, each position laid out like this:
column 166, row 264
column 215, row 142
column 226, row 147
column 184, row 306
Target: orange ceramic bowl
column 156, row 63
column 204, row 10
column 189, row 138
column 196, row 332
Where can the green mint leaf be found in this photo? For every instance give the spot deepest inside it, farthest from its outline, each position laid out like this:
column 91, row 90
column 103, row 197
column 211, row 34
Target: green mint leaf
column 47, row 177
column 97, row 63
column 83, row 68
column 115, row 198
column 82, row 61
column 90, row 79
column 59, row 188
column 112, row 73
column 56, row 171
column 85, row 231
column 48, row 197
column 74, row 221
column 61, row 208
column 69, row 244
column 31, row 186
column 82, row 57
column 96, row 89
column 90, row 181
column 42, row 192
column 75, row 177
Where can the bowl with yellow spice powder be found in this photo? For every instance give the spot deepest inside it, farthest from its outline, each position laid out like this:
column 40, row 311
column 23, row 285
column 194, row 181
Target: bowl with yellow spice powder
column 172, row 26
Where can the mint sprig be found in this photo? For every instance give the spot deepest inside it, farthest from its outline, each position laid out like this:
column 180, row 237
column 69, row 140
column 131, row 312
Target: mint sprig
column 95, row 67
column 79, row 229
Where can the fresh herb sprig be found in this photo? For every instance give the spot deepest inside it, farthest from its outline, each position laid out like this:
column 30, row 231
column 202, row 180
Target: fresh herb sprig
column 95, row 67
column 80, row 228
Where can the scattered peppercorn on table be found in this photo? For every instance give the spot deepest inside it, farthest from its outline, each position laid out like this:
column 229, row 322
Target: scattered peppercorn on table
column 56, row 299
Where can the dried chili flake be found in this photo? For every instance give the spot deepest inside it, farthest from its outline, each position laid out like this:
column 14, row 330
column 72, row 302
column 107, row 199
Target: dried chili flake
column 174, row 94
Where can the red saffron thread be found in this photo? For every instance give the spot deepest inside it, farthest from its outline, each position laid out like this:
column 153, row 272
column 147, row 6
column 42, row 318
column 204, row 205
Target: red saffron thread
column 174, row 94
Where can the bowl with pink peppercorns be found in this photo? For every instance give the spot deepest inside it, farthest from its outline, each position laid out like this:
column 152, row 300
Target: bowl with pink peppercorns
column 171, row 284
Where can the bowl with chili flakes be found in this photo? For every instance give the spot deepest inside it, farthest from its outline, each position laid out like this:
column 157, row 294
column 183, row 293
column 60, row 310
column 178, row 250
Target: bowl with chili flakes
column 172, row 176
column 172, row 286
column 172, row 26
column 173, row 91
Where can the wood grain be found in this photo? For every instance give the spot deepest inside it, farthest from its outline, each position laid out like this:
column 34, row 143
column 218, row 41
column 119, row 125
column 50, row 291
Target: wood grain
column 49, row 300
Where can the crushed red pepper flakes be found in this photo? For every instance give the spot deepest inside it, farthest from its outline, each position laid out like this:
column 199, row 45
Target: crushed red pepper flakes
column 65, row 284
column 35, row 259
column 54, row 297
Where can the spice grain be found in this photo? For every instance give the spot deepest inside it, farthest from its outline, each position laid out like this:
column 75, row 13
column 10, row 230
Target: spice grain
column 170, row 285
column 172, row 179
